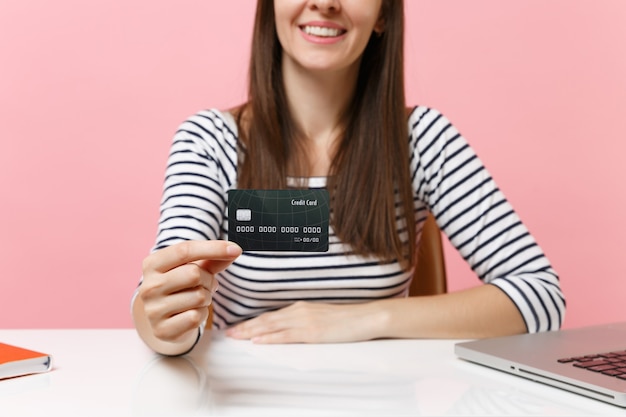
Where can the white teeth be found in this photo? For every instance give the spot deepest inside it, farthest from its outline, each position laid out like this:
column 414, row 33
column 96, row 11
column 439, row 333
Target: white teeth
column 321, row 31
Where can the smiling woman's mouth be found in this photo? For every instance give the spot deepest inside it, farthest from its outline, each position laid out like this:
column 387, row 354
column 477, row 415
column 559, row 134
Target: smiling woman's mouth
column 323, row 32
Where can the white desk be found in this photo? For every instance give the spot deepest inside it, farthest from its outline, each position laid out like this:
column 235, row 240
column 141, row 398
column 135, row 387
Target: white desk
column 111, row 373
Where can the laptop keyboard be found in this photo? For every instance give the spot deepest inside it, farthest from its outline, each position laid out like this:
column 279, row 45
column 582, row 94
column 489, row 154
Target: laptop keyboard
column 609, row 363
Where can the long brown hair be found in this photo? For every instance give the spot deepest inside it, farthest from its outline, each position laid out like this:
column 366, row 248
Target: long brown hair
column 371, row 163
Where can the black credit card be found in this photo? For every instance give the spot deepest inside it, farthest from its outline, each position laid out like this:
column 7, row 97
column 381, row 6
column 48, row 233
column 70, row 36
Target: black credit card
column 279, row 220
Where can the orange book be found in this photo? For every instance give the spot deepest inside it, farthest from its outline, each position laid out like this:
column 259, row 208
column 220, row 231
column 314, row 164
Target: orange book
column 17, row 361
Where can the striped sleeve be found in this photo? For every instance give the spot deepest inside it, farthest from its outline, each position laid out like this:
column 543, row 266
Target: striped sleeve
column 479, row 221
column 200, row 168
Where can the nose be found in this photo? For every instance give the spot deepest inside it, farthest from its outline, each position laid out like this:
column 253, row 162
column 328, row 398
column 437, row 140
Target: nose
column 325, row 5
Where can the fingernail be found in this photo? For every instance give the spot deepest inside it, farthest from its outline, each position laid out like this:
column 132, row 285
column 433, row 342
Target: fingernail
column 233, row 249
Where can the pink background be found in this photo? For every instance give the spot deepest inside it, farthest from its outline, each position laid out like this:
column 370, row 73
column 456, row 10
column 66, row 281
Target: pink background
column 92, row 91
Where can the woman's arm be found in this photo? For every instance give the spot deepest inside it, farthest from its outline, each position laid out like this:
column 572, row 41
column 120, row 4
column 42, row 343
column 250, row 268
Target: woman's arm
column 483, row 311
column 171, row 302
column 480, row 222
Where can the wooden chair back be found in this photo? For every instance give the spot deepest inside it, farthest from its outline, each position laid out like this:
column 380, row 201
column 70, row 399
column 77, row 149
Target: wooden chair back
column 429, row 277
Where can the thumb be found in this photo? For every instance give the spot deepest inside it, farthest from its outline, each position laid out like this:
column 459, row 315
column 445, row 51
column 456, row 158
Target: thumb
column 214, row 266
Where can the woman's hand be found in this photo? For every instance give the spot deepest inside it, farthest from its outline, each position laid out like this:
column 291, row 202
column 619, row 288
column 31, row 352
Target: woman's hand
column 306, row 322
column 176, row 291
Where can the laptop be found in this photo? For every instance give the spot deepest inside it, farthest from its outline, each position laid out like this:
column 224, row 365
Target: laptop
column 590, row 361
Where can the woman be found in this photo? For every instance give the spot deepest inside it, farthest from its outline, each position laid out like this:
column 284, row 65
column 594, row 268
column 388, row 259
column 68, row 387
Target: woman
column 327, row 110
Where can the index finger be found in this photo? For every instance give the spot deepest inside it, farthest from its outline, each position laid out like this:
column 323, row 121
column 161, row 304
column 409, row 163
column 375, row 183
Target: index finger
column 192, row 250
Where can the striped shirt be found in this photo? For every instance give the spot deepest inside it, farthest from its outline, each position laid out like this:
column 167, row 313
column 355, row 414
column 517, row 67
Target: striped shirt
column 448, row 179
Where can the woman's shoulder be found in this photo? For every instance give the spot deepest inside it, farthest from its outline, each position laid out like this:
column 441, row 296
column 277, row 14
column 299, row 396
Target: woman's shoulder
column 212, row 119
column 208, row 131
column 423, row 120
column 419, row 113
column 430, row 130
